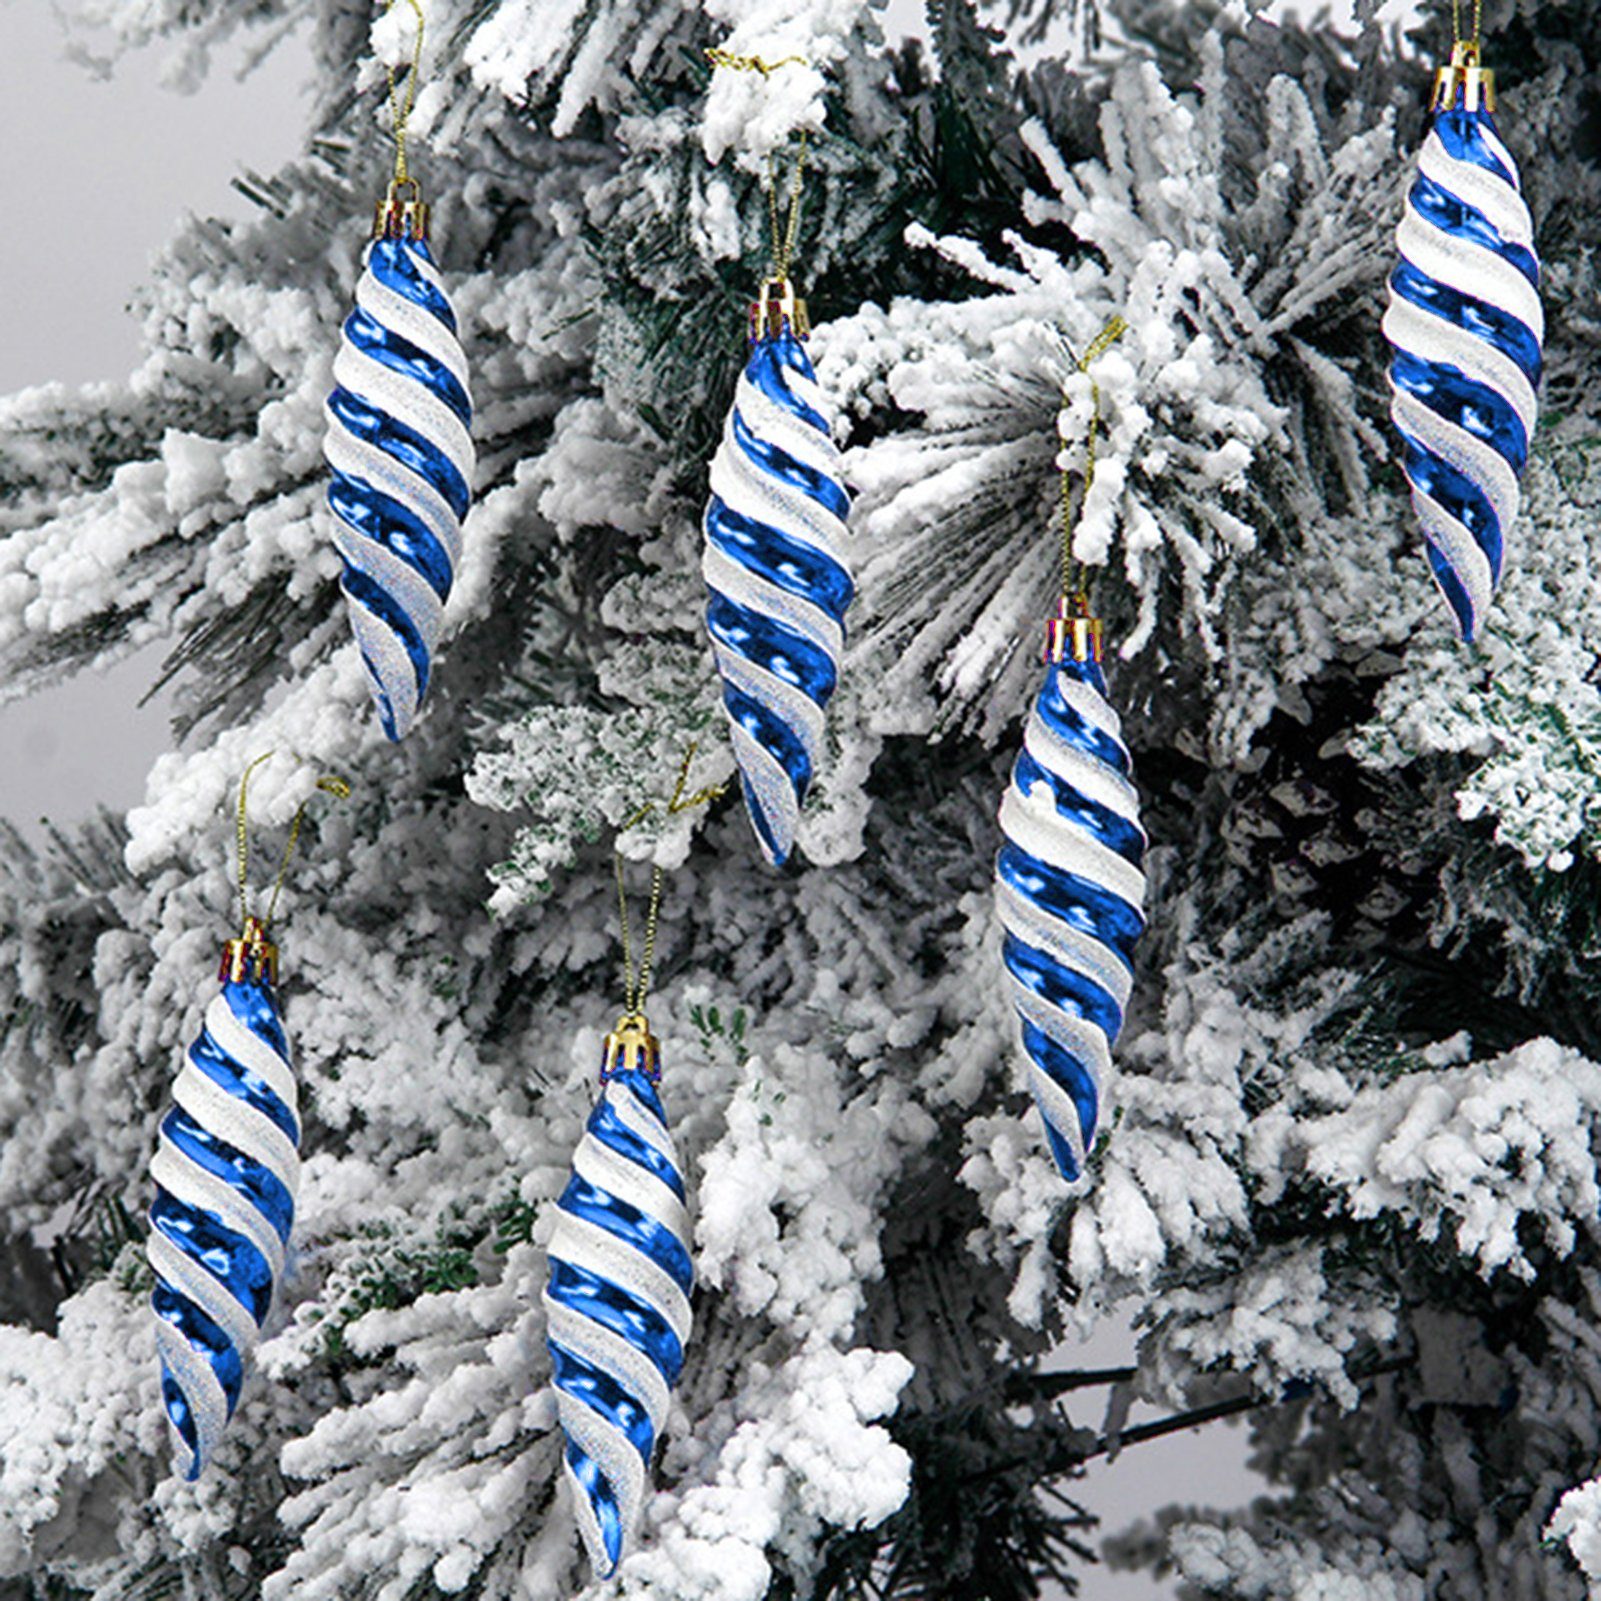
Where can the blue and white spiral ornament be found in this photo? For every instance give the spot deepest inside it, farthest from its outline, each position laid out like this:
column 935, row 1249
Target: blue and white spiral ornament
column 1467, row 327
column 226, row 1169
column 617, row 1302
column 401, row 454
column 1070, row 888
column 775, row 569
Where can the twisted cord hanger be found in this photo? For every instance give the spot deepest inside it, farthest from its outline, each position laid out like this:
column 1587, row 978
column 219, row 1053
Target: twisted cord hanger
column 1073, row 577
column 330, row 785
column 637, row 986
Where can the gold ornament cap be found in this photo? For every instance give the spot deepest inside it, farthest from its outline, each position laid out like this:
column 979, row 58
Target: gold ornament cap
column 777, row 309
column 1074, row 632
column 401, row 215
column 250, row 957
column 1464, row 78
column 632, row 1048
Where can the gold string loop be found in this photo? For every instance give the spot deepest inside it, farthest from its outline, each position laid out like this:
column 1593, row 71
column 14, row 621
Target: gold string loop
column 1478, row 26
column 783, row 229
column 330, row 785
column 637, row 986
column 1073, row 582
column 784, row 238
column 400, row 107
column 726, row 58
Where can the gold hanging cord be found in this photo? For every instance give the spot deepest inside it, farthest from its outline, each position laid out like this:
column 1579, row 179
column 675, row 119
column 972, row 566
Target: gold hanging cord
column 400, row 106
column 631, row 1047
column 637, row 987
column 1074, row 630
column 401, row 214
column 1465, row 79
column 777, row 303
column 1456, row 23
column 253, row 950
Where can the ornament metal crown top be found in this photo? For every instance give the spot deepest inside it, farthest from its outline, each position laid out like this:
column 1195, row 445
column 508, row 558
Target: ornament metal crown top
column 778, row 310
column 399, row 216
column 1074, row 633
column 252, row 957
column 632, row 1048
column 1465, row 79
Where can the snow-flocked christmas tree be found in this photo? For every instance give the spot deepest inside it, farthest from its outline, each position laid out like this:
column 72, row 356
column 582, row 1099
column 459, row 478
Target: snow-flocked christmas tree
column 1350, row 1186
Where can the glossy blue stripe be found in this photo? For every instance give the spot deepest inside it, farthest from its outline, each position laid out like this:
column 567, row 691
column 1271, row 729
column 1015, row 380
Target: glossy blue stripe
column 616, row 1135
column 257, row 1184
column 1074, row 1077
column 196, row 1326
column 1060, row 717
column 412, row 450
column 234, row 1077
column 790, row 564
column 1462, row 134
column 1458, row 494
column 1076, row 901
column 392, row 265
column 182, row 1416
column 227, row 1255
column 1451, row 587
column 1500, row 329
column 768, row 368
column 367, row 591
column 398, row 354
column 386, row 522
column 1475, row 408
column 626, row 1223
column 1077, row 808
column 602, row 1500
column 786, row 654
column 1453, row 215
column 774, row 735
column 599, row 1391
column 255, row 1005
column 611, row 1306
column 1062, row 987
column 777, row 463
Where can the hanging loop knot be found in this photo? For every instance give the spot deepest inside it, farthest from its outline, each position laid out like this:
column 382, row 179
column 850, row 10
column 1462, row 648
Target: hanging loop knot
column 252, row 955
column 631, row 1046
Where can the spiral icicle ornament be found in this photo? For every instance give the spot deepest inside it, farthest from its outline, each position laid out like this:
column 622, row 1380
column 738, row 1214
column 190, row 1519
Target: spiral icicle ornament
column 1466, row 325
column 778, row 587
column 226, row 1169
column 401, row 457
column 618, row 1297
column 1070, row 888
